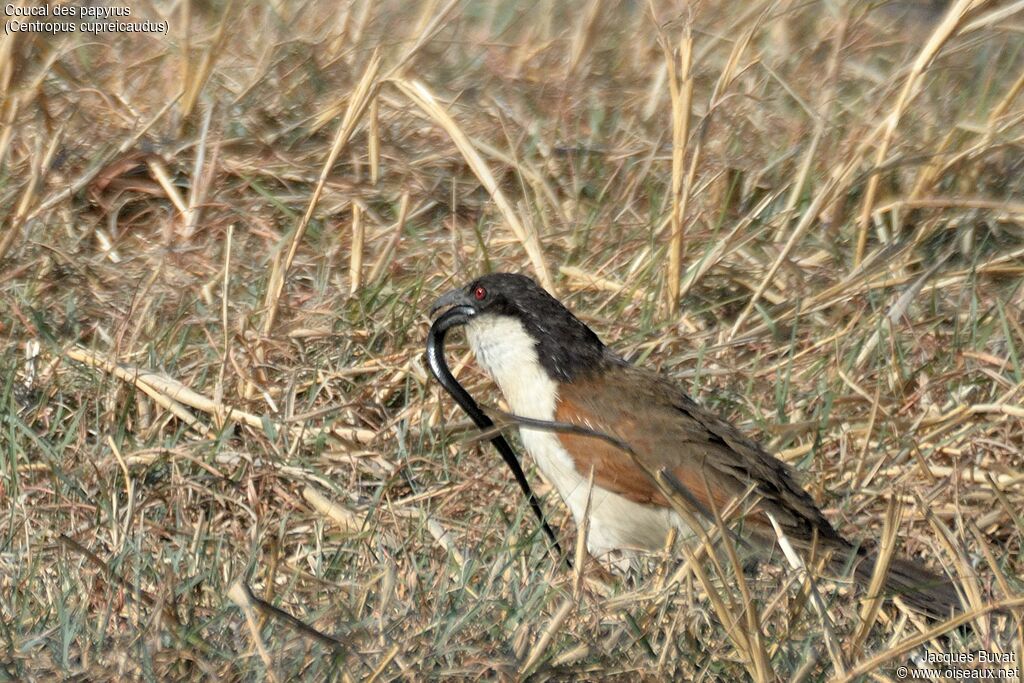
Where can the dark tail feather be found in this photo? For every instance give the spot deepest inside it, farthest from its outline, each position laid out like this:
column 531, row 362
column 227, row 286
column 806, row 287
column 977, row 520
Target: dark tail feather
column 924, row 591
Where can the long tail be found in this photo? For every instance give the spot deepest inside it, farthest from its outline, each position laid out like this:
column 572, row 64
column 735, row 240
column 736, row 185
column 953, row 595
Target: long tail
column 923, row 590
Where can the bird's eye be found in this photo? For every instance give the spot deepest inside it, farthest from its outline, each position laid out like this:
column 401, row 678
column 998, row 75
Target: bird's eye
column 479, row 293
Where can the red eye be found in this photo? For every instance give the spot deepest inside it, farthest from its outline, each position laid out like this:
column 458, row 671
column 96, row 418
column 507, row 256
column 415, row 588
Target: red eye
column 479, row 293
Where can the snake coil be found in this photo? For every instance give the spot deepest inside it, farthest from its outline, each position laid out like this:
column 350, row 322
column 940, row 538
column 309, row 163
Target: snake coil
column 454, row 317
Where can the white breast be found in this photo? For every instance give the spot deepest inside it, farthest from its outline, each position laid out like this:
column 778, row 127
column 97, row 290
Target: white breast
column 507, row 352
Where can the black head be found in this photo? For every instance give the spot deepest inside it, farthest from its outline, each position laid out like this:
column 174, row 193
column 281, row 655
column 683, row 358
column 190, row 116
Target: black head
column 565, row 346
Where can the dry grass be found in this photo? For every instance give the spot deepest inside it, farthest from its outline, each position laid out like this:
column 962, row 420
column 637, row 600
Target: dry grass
column 215, row 410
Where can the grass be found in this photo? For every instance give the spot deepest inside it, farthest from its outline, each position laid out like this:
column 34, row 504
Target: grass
column 221, row 455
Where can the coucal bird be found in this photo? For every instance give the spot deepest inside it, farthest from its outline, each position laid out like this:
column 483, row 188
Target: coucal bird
column 551, row 367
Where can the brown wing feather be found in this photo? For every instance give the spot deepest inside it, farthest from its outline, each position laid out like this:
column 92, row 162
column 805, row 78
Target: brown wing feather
column 667, row 429
column 613, row 469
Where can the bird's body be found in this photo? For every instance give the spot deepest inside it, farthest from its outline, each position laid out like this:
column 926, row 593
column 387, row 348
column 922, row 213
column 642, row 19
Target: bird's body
column 618, row 524
column 551, row 367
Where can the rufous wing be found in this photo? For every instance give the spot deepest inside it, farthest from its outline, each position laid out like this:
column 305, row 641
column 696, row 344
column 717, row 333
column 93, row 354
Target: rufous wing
column 665, row 429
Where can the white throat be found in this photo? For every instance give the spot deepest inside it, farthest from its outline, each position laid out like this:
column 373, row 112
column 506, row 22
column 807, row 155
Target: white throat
column 508, row 353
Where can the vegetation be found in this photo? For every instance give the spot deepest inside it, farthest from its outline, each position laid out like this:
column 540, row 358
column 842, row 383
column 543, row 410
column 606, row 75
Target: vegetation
column 217, row 254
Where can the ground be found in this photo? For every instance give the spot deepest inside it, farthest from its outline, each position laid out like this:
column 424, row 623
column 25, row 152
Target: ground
column 221, row 239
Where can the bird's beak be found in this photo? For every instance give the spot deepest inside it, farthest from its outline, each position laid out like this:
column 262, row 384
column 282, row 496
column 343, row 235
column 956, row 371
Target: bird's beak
column 456, row 297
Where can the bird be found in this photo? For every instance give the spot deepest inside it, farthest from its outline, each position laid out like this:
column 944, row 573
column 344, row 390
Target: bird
column 613, row 426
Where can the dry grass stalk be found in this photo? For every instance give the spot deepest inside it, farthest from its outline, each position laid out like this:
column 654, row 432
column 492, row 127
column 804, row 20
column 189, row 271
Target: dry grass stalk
column 241, row 597
column 201, row 181
column 553, row 627
column 993, row 564
column 745, row 643
column 129, row 485
column 946, row 29
column 426, row 29
column 346, row 519
column 681, row 104
column 21, row 211
column 821, row 119
column 160, row 173
column 162, row 390
column 444, row 539
column 580, row 556
column 901, row 648
column 196, row 80
column 174, row 396
column 9, row 112
column 382, row 665
column 421, row 96
column 825, row 195
column 388, row 252
column 713, row 256
column 835, row 652
column 875, row 591
column 360, row 99
column 592, row 281
column 762, row 664
column 220, row 415
column 355, row 263
column 373, row 143
column 967, row 578
column 583, row 37
column 681, row 93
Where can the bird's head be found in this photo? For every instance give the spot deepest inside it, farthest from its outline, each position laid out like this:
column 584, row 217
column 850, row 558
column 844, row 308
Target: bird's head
column 508, row 315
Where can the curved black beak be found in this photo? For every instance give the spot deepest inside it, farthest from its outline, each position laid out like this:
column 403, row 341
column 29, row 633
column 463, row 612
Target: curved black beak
column 456, row 297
